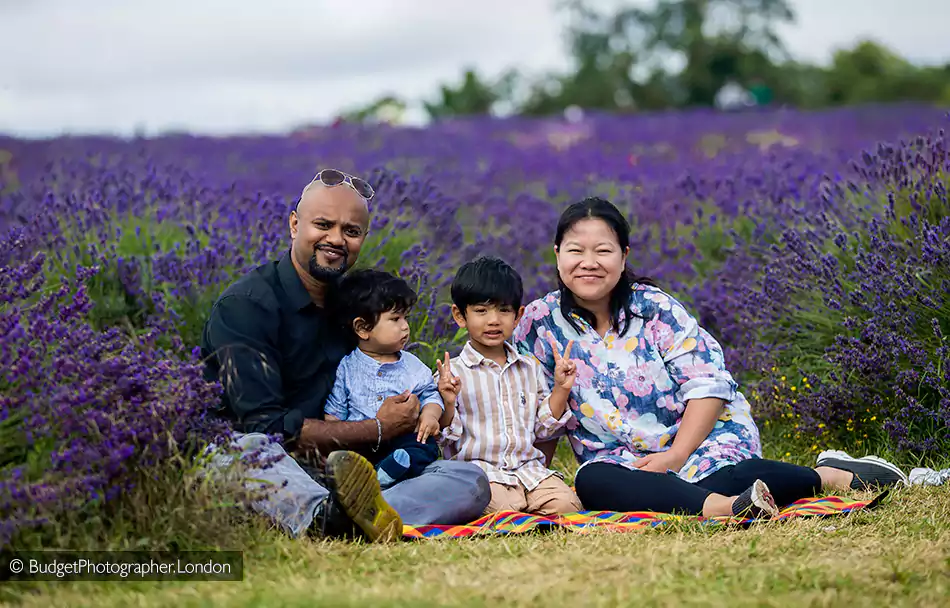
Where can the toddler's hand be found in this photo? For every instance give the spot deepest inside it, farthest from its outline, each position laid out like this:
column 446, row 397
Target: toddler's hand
column 428, row 427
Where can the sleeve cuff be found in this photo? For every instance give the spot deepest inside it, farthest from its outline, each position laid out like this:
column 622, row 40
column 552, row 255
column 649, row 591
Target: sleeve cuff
column 293, row 424
column 453, row 432
column 548, row 425
column 435, row 401
column 704, row 388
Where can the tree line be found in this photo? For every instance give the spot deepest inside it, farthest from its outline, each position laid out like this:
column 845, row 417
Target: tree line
column 622, row 58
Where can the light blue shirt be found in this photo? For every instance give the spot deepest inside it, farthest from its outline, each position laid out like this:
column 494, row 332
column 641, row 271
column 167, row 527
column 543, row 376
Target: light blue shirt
column 363, row 383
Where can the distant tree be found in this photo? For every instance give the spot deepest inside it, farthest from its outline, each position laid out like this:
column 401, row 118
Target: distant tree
column 473, row 96
column 871, row 72
column 711, row 38
column 388, row 108
column 679, row 53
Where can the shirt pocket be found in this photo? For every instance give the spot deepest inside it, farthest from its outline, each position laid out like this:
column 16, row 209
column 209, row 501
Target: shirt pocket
column 527, row 407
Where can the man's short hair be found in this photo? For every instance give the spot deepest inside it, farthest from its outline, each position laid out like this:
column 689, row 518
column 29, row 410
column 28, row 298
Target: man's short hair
column 487, row 280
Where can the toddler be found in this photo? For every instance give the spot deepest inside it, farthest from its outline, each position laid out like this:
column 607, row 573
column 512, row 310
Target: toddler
column 497, row 402
column 374, row 305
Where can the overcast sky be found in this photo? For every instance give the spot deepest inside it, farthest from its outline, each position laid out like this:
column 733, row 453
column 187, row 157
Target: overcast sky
column 219, row 66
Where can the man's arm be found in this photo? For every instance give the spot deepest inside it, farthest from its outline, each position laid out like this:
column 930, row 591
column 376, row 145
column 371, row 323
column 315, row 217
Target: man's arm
column 242, row 334
column 325, row 436
column 397, row 415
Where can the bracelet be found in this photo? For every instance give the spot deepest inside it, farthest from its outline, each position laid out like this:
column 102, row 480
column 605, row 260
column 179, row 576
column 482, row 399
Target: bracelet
column 379, row 434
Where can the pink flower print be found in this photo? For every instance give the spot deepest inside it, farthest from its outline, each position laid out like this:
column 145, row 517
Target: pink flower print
column 639, row 381
column 661, row 333
column 667, row 402
column 620, row 399
column 705, row 464
column 539, row 351
column 698, row 369
column 536, row 311
column 584, row 375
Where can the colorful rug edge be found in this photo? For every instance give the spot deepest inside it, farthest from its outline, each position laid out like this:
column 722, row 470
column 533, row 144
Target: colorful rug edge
column 513, row 522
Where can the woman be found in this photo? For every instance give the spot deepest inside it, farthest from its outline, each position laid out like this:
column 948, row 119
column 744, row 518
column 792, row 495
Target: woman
column 660, row 424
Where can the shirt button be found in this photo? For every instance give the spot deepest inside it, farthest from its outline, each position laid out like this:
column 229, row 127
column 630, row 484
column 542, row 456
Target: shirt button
column 379, row 397
column 380, row 373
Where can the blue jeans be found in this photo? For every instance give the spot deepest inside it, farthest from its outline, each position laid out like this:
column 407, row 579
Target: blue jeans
column 447, row 492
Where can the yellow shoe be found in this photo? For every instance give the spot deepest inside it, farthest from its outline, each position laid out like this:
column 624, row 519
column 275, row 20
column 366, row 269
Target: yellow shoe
column 352, row 481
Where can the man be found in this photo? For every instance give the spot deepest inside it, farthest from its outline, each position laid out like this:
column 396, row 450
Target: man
column 271, row 343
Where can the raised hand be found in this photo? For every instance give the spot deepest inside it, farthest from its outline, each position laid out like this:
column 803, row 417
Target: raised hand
column 449, row 384
column 565, row 370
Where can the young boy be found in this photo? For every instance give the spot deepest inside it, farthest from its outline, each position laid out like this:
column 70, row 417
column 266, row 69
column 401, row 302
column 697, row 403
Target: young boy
column 498, row 404
column 373, row 305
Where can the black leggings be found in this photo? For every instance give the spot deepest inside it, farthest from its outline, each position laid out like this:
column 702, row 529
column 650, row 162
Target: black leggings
column 603, row 486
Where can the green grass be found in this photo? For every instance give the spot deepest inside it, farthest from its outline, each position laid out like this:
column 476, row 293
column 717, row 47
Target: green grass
column 896, row 554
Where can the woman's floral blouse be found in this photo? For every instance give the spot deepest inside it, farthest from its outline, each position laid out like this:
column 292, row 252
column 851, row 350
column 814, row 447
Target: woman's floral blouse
column 630, row 391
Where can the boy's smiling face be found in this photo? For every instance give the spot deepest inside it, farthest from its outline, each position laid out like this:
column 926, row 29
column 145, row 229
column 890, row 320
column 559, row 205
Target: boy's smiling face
column 488, row 324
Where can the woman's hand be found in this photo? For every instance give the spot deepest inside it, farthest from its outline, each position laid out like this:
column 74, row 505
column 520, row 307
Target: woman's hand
column 565, row 370
column 661, row 462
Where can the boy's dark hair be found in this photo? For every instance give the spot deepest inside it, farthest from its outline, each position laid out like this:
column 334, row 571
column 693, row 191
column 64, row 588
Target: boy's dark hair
column 484, row 280
column 367, row 294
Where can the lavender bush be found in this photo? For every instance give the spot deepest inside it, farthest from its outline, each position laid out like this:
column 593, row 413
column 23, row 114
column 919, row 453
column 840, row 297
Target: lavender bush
column 82, row 411
column 805, row 255
column 855, row 306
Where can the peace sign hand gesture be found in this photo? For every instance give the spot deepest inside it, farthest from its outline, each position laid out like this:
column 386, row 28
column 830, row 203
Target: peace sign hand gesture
column 449, row 384
column 565, row 370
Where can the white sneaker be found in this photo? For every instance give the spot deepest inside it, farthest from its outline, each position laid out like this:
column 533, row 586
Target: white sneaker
column 922, row 476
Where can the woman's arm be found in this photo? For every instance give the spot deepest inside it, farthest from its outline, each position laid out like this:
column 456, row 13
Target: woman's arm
column 694, row 361
column 698, row 421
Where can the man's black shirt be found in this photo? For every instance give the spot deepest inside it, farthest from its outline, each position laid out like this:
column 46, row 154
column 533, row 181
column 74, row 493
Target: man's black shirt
column 274, row 351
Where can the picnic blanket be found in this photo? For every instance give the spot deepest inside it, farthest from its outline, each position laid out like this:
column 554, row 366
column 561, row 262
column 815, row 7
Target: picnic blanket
column 514, row 522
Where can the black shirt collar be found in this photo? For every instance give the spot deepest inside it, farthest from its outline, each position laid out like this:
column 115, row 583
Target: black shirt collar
column 297, row 294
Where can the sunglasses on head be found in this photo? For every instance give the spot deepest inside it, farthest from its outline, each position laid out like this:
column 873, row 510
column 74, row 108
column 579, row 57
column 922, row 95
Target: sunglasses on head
column 334, row 177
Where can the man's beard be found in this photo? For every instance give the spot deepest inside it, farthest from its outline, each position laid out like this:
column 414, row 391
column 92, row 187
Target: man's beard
column 325, row 274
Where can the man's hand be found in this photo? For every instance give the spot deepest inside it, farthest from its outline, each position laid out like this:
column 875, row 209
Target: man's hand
column 398, row 414
column 428, row 423
column 449, row 383
column 661, row 462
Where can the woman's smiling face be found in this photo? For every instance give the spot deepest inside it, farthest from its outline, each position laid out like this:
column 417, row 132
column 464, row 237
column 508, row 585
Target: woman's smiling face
column 590, row 260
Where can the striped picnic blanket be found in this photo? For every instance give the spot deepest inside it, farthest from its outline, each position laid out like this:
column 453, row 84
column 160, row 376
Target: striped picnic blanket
column 513, row 522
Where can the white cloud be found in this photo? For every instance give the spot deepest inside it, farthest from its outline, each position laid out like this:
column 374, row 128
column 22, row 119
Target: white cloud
column 221, row 66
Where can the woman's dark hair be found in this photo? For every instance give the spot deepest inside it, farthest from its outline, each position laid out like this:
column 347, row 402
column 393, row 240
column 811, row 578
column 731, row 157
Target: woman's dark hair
column 598, row 208
column 367, row 294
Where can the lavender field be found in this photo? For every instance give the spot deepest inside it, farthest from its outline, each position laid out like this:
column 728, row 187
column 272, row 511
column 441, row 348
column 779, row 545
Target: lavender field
column 815, row 246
